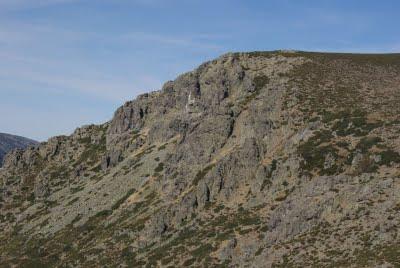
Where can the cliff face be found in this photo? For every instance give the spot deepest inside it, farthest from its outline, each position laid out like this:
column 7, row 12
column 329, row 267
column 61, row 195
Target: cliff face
column 253, row 159
column 9, row 142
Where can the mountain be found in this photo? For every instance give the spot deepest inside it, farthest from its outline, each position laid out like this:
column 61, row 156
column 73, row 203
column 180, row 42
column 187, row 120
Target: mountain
column 259, row 159
column 9, row 142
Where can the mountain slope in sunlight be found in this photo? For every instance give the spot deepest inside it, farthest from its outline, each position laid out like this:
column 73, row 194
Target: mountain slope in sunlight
column 261, row 159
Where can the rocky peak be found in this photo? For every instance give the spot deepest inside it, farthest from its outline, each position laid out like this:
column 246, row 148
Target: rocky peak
column 273, row 159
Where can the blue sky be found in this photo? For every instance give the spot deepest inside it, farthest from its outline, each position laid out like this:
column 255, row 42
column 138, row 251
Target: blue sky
column 65, row 63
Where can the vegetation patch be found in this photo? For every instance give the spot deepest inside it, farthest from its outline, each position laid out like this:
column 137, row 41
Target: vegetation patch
column 272, row 168
column 159, row 168
column 202, row 251
column 367, row 143
column 162, row 147
column 93, row 152
column 354, row 124
column 202, row 173
column 122, row 200
column 103, row 213
column 388, row 157
column 315, row 151
column 76, row 189
column 260, row 82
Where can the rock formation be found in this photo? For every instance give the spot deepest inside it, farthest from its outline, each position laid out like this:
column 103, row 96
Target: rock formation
column 9, row 142
column 261, row 159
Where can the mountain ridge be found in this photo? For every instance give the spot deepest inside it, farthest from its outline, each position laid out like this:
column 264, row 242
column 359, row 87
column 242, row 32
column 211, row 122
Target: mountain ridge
column 9, row 142
column 277, row 159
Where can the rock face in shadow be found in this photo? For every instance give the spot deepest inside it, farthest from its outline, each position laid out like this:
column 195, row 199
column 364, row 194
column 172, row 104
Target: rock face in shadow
column 261, row 159
column 10, row 142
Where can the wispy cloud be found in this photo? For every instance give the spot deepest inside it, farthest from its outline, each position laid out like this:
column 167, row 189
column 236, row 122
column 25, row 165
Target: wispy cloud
column 17, row 33
column 109, row 88
column 108, row 51
column 30, row 52
column 194, row 41
column 20, row 33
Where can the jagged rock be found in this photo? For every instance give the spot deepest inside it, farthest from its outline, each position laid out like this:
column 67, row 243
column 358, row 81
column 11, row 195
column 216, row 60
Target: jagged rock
column 111, row 159
column 79, row 170
column 203, row 194
column 41, row 188
column 263, row 159
column 329, row 161
column 228, row 251
column 10, row 142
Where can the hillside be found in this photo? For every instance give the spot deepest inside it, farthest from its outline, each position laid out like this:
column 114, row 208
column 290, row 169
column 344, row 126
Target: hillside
column 10, row 142
column 261, row 159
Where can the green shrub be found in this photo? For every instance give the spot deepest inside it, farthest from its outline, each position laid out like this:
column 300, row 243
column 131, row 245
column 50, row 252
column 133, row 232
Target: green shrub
column 260, row 82
column 189, row 262
column 202, row 251
column 103, row 213
column 162, row 147
column 122, row 200
column 202, row 173
column 389, row 156
column 159, row 168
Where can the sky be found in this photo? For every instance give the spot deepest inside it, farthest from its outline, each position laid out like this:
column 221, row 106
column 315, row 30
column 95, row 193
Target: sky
column 66, row 63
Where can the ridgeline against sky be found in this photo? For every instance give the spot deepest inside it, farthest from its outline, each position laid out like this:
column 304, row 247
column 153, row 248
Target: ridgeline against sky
column 75, row 61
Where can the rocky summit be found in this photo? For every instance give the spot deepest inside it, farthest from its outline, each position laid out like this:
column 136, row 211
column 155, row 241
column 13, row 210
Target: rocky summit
column 260, row 159
column 9, row 142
